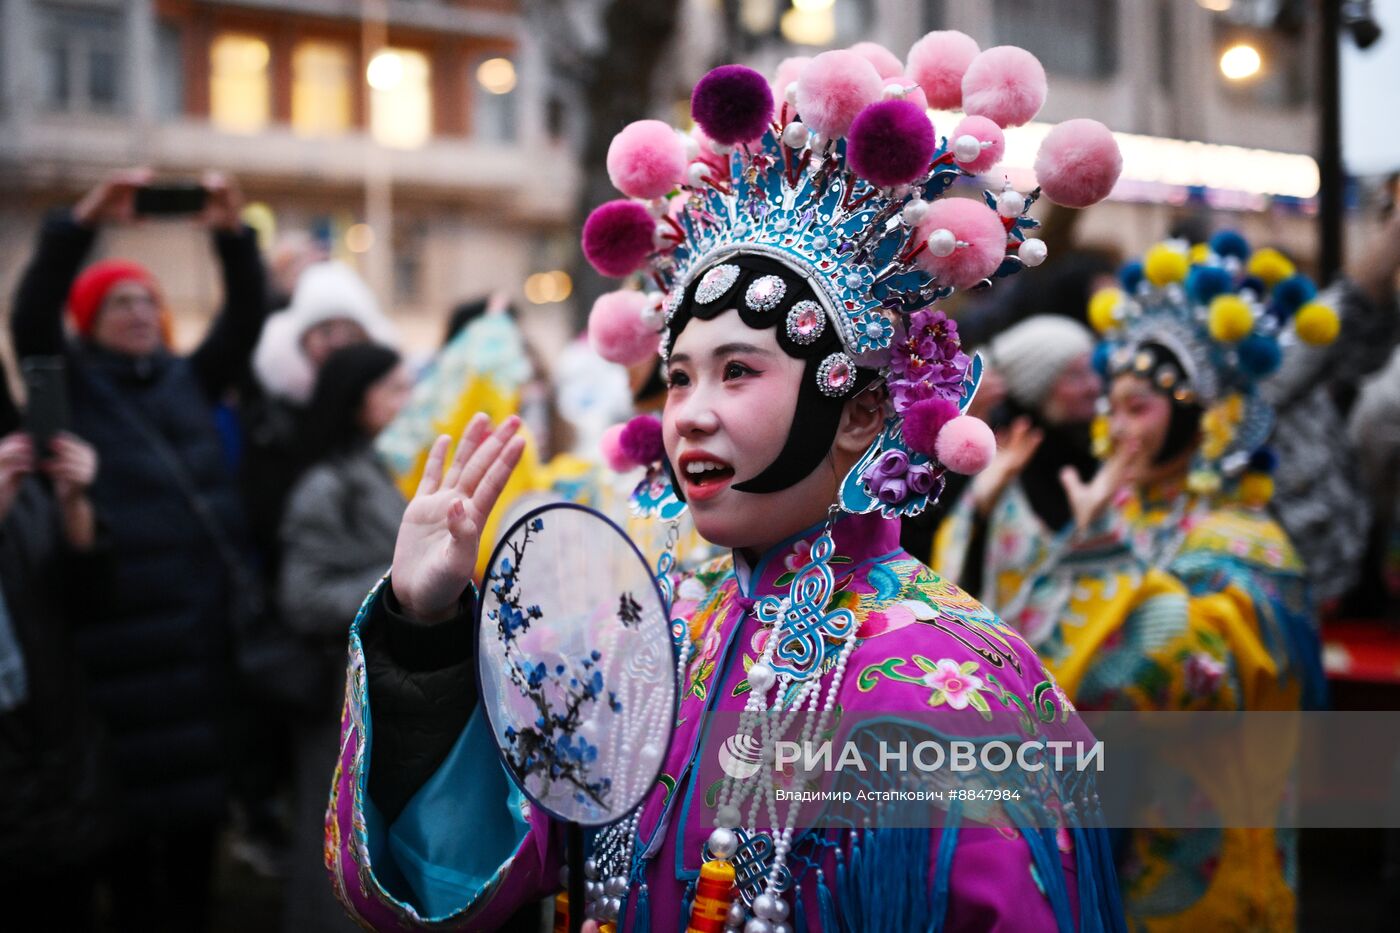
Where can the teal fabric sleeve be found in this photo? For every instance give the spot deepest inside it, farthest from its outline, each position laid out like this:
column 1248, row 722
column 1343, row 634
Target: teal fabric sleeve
column 459, row 830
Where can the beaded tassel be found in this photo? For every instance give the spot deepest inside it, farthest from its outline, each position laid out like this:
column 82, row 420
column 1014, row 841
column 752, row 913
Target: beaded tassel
column 714, row 894
column 688, row 898
column 799, row 913
column 825, row 905
column 641, row 920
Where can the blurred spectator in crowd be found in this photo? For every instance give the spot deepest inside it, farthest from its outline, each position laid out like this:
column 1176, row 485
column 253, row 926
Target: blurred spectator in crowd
column 1318, row 495
column 338, row 539
column 1017, row 505
column 325, row 306
column 331, row 307
column 157, row 651
column 57, row 806
column 294, row 252
column 1375, row 435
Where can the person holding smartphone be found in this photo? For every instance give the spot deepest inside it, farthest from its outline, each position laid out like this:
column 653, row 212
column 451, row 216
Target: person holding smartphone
column 157, row 648
column 56, row 812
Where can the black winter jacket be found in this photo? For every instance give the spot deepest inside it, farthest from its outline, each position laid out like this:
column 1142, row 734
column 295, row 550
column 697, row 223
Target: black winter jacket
column 57, row 802
column 158, row 653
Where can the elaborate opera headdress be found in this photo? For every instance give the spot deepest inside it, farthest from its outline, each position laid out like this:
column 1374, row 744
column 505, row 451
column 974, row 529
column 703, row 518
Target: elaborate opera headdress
column 1205, row 325
column 827, row 215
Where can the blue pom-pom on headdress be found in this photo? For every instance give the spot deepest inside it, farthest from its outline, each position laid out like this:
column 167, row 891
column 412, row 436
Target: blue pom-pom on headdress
column 1259, row 355
column 1131, row 276
column 1292, row 293
column 1101, row 356
column 1263, row 460
column 1252, row 283
column 1205, row 282
column 1230, row 243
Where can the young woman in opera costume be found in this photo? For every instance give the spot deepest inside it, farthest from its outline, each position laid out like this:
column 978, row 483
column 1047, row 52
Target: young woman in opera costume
column 1174, row 589
column 813, row 400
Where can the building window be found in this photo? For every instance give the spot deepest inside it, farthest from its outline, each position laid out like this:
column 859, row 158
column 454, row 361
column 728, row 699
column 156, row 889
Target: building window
column 321, row 73
column 1077, row 38
column 401, row 100
column 170, row 71
column 83, row 55
column 240, row 98
column 494, row 100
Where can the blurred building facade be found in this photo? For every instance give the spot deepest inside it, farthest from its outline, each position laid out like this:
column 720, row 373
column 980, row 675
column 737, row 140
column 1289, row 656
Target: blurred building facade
column 403, row 133
column 422, row 139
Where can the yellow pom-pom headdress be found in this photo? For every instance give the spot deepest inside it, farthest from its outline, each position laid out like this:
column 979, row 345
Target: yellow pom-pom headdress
column 1225, row 318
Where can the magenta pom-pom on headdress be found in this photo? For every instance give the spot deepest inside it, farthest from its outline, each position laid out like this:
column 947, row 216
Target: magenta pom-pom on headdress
column 924, row 420
column 1078, row 163
column 640, row 441
column 618, row 328
column 937, row 63
column 965, row 241
column 1005, row 84
column 646, row 160
column 732, row 104
column 890, row 143
column 618, row 236
column 833, row 89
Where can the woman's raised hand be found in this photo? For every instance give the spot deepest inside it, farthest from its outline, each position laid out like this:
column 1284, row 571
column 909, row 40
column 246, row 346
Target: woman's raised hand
column 1087, row 501
column 435, row 555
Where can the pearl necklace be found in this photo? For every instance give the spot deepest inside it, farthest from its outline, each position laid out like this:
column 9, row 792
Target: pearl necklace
column 608, row 872
column 769, row 909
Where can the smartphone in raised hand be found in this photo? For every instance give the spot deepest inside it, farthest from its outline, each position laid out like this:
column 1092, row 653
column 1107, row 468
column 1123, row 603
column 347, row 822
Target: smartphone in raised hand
column 168, row 200
column 46, row 410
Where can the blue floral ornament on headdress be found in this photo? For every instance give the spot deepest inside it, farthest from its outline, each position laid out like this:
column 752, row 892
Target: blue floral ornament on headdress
column 890, row 458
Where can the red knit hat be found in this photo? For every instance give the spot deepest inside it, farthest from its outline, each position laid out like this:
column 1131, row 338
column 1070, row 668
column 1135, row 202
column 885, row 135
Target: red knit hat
column 91, row 288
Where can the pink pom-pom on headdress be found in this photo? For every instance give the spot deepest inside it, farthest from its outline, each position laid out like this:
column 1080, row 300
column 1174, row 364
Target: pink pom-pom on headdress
column 1005, row 84
column 937, row 63
column 1078, row 163
column 618, row 236
column 966, row 445
column 646, row 160
column 886, row 63
column 732, row 104
column 618, row 332
column 789, row 69
column 833, row 88
column 966, row 241
column 891, row 142
column 984, row 131
column 640, row 440
column 610, row 445
column 924, row 420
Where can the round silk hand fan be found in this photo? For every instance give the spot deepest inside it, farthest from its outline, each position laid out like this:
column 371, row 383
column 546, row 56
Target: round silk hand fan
column 576, row 667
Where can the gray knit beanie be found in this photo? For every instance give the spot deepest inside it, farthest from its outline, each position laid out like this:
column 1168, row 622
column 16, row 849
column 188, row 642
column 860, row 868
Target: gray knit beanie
column 1031, row 355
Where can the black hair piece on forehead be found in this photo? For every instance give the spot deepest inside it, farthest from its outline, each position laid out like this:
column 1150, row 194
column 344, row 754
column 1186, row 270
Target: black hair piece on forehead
column 817, row 416
column 751, row 268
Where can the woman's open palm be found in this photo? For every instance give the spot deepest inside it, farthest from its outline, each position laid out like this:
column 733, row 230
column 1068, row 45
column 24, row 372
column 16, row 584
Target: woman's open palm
column 435, row 554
